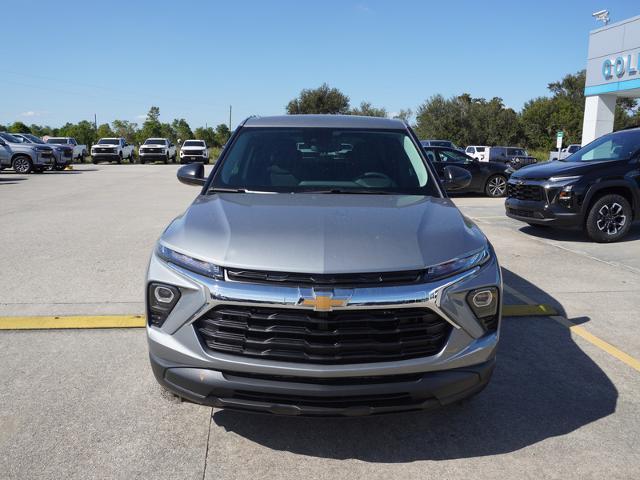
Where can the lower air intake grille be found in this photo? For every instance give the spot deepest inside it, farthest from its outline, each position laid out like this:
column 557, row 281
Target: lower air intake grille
column 323, row 337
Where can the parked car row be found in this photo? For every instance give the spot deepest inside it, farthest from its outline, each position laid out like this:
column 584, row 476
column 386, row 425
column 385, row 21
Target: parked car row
column 26, row 153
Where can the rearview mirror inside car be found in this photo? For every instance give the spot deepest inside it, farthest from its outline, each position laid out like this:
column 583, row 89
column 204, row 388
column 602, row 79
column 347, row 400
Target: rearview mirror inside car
column 192, row 174
column 456, row 178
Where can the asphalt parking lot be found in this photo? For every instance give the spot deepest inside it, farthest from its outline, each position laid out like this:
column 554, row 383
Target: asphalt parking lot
column 84, row 404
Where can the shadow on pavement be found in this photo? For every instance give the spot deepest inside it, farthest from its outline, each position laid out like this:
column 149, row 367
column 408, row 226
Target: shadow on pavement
column 544, row 386
column 574, row 235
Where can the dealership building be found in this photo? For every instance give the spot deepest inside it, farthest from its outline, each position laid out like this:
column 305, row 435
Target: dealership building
column 613, row 70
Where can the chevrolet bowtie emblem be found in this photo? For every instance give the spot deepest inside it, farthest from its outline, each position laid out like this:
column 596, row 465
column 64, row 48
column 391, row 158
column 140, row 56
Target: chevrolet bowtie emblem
column 324, row 302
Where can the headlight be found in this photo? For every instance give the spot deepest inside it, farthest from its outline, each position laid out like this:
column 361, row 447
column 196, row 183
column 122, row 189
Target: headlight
column 459, row 265
column 198, row 266
column 564, row 179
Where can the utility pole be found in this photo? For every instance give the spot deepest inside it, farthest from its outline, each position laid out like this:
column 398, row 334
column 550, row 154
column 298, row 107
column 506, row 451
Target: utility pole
column 229, row 117
column 95, row 122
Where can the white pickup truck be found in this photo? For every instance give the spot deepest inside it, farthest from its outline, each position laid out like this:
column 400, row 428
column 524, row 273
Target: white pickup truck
column 565, row 152
column 112, row 150
column 157, row 149
column 79, row 150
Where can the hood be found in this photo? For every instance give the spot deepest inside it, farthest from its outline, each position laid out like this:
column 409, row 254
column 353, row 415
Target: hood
column 29, row 146
column 309, row 233
column 542, row 171
column 144, row 147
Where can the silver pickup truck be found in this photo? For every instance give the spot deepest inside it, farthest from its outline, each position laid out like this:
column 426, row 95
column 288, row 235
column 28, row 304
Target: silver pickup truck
column 565, row 152
column 24, row 157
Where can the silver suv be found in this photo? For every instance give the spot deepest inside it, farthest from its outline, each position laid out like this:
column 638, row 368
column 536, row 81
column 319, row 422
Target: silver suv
column 322, row 270
column 24, row 157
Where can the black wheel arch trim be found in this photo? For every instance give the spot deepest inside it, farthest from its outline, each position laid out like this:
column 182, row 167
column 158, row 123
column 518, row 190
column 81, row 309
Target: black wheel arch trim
column 594, row 190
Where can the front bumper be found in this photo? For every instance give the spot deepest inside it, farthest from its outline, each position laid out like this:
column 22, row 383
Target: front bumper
column 182, row 364
column 105, row 157
column 153, row 157
column 297, row 396
column 44, row 160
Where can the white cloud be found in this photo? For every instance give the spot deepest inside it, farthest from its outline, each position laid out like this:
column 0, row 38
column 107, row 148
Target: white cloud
column 32, row 113
column 363, row 8
column 141, row 117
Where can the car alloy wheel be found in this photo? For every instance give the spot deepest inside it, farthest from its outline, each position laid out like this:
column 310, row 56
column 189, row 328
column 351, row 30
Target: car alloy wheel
column 611, row 218
column 497, row 186
column 22, row 165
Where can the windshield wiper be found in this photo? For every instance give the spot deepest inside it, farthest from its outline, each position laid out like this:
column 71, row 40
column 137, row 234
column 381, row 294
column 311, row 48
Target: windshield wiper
column 355, row 191
column 227, row 190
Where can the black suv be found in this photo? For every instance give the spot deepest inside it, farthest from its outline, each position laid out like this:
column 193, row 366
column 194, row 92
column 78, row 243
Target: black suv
column 597, row 188
column 489, row 178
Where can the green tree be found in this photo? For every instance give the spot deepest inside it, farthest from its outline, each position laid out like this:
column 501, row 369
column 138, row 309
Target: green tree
column 323, row 99
column 19, row 127
column 207, row 134
column 104, row 131
column 369, row 110
column 84, row 132
column 404, row 114
column 151, row 126
column 182, row 129
column 126, row 129
column 41, row 131
column 222, row 134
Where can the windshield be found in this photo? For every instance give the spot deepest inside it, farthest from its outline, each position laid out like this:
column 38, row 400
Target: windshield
column 615, row 146
column 9, row 138
column 193, row 143
column 57, row 141
column 109, row 141
column 33, row 138
column 155, row 141
column 324, row 160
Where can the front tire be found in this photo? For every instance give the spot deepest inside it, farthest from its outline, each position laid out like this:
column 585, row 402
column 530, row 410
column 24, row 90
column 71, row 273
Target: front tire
column 166, row 159
column 609, row 219
column 496, row 186
column 132, row 157
column 22, row 165
column 119, row 161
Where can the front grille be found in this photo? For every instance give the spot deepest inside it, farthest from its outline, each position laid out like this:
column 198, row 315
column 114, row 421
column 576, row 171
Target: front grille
column 521, row 213
column 524, row 192
column 151, row 150
column 338, row 279
column 349, row 336
column 373, row 400
column 334, row 381
column 105, row 150
column 519, row 162
column 193, row 153
column 67, row 153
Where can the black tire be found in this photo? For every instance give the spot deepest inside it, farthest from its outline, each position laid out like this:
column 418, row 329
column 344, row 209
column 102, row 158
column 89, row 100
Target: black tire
column 142, row 161
column 609, row 219
column 496, row 186
column 95, row 162
column 119, row 161
column 132, row 157
column 22, row 165
column 166, row 159
column 59, row 168
column 82, row 157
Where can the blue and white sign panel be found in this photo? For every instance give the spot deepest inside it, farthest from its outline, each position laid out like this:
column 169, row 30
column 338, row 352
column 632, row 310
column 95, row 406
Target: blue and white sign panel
column 614, row 58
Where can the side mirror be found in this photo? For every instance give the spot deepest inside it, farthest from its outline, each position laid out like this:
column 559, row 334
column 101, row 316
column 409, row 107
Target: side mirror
column 456, row 178
column 192, row 174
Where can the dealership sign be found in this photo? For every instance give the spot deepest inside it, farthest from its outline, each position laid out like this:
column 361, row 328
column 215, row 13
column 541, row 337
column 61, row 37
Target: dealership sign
column 625, row 65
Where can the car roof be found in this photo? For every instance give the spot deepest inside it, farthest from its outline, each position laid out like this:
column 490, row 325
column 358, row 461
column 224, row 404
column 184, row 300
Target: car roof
column 326, row 121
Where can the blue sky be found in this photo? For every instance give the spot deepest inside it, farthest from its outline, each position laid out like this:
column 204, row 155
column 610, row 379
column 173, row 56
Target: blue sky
column 194, row 59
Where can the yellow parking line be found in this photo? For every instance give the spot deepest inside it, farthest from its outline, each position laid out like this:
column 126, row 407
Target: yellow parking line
column 598, row 342
column 527, row 310
column 583, row 333
column 134, row 321
column 93, row 321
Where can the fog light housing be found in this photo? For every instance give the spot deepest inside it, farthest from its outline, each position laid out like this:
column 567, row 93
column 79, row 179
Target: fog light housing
column 484, row 303
column 161, row 299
